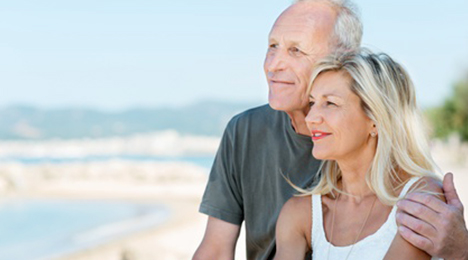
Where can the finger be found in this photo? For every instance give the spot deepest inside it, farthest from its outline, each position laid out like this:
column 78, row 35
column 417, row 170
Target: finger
column 418, row 210
column 416, row 225
column 450, row 191
column 415, row 239
column 428, row 200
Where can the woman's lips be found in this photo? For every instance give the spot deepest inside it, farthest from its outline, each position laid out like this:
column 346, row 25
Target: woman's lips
column 317, row 135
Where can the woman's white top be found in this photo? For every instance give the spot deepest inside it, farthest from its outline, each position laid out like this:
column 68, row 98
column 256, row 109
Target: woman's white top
column 372, row 247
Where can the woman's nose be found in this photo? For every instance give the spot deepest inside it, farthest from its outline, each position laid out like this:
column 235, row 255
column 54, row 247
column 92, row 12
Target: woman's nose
column 314, row 116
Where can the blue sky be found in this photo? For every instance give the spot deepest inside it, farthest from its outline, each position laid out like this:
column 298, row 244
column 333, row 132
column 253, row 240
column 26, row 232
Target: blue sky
column 115, row 55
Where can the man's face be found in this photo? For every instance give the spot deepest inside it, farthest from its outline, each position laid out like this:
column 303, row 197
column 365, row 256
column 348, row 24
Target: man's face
column 299, row 37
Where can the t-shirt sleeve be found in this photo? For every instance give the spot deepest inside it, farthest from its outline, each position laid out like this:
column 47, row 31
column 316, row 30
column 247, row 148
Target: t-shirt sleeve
column 223, row 198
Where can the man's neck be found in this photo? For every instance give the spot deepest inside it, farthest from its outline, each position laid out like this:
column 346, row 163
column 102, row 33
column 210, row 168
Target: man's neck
column 298, row 122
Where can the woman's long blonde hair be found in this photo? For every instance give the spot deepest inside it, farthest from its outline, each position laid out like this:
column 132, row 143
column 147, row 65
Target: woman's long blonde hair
column 387, row 98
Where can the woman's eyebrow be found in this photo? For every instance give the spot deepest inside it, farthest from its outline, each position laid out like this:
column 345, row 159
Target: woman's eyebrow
column 327, row 95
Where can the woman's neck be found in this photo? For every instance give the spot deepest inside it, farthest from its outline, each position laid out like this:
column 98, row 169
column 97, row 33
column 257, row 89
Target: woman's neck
column 353, row 171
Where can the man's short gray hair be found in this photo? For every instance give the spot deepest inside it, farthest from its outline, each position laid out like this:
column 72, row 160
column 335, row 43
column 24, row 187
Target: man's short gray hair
column 347, row 34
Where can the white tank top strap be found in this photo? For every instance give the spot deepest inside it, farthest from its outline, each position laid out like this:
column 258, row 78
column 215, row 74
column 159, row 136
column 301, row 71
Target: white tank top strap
column 407, row 186
column 317, row 231
column 403, row 193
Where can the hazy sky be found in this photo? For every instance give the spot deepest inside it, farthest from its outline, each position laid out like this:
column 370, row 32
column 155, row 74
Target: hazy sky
column 119, row 54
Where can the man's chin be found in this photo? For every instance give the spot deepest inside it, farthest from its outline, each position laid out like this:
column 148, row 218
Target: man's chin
column 277, row 105
column 282, row 106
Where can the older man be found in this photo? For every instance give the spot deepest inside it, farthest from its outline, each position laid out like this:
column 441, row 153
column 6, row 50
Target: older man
column 262, row 144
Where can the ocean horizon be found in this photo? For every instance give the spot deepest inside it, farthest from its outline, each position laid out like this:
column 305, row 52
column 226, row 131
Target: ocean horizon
column 203, row 161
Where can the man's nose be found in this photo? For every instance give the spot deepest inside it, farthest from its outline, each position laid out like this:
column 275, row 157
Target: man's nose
column 275, row 61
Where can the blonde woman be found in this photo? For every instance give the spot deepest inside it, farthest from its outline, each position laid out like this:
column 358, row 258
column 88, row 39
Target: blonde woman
column 367, row 129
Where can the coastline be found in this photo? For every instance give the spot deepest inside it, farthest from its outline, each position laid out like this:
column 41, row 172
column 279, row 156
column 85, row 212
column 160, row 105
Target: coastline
column 178, row 186
column 185, row 226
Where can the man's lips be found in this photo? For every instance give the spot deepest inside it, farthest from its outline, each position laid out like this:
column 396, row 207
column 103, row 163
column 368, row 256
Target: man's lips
column 280, row 82
column 317, row 135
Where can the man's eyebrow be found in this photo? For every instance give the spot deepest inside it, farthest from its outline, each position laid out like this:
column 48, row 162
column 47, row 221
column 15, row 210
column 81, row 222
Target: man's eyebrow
column 272, row 37
column 289, row 42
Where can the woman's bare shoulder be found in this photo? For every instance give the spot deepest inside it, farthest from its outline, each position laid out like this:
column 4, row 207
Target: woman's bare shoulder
column 298, row 208
column 428, row 184
column 296, row 216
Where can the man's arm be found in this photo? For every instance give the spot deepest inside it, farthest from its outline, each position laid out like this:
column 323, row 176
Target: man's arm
column 434, row 226
column 219, row 241
column 223, row 202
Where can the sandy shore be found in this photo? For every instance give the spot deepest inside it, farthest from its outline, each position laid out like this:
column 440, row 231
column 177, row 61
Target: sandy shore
column 175, row 239
column 179, row 237
column 178, row 186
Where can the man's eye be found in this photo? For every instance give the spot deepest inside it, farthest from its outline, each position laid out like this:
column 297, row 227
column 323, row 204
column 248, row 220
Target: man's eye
column 311, row 103
column 330, row 103
column 273, row 46
column 295, row 50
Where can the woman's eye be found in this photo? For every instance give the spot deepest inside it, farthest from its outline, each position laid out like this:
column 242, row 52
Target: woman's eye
column 330, row 103
column 311, row 103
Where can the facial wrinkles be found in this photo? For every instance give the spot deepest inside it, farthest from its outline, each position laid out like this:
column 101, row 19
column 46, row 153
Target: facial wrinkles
column 305, row 59
column 347, row 105
column 307, row 27
column 346, row 102
column 311, row 20
column 286, row 41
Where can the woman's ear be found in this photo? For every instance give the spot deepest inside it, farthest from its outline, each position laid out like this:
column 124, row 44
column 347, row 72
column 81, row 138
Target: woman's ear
column 374, row 131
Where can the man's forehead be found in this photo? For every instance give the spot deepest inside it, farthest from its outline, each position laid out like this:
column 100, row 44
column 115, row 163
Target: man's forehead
column 308, row 12
column 291, row 30
column 313, row 17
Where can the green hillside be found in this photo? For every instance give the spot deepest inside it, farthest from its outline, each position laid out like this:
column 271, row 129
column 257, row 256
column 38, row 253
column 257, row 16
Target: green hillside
column 204, row 118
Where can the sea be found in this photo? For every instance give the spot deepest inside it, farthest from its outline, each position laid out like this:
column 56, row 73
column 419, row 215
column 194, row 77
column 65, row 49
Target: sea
column 40, row 229
column 203, row 161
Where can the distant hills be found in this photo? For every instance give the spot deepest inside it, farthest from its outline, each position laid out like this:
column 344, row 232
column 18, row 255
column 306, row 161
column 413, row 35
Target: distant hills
column 203, row 118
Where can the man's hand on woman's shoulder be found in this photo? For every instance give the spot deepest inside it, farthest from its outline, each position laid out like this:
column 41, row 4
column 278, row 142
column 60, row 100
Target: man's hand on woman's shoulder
column 433, row 225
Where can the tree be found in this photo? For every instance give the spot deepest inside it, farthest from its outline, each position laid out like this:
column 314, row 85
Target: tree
column 452, row 116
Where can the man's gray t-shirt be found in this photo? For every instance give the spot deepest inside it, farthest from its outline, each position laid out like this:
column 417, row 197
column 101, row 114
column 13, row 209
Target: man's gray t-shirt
column 245, row 182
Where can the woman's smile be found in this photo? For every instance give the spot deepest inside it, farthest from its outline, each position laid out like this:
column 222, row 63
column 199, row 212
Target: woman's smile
column 317, row 135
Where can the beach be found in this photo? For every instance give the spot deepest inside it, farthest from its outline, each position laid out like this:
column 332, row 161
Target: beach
column 178, row 186
column 163, row 168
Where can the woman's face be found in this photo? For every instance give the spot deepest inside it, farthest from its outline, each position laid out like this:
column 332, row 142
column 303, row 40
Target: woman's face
column 339, row 127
